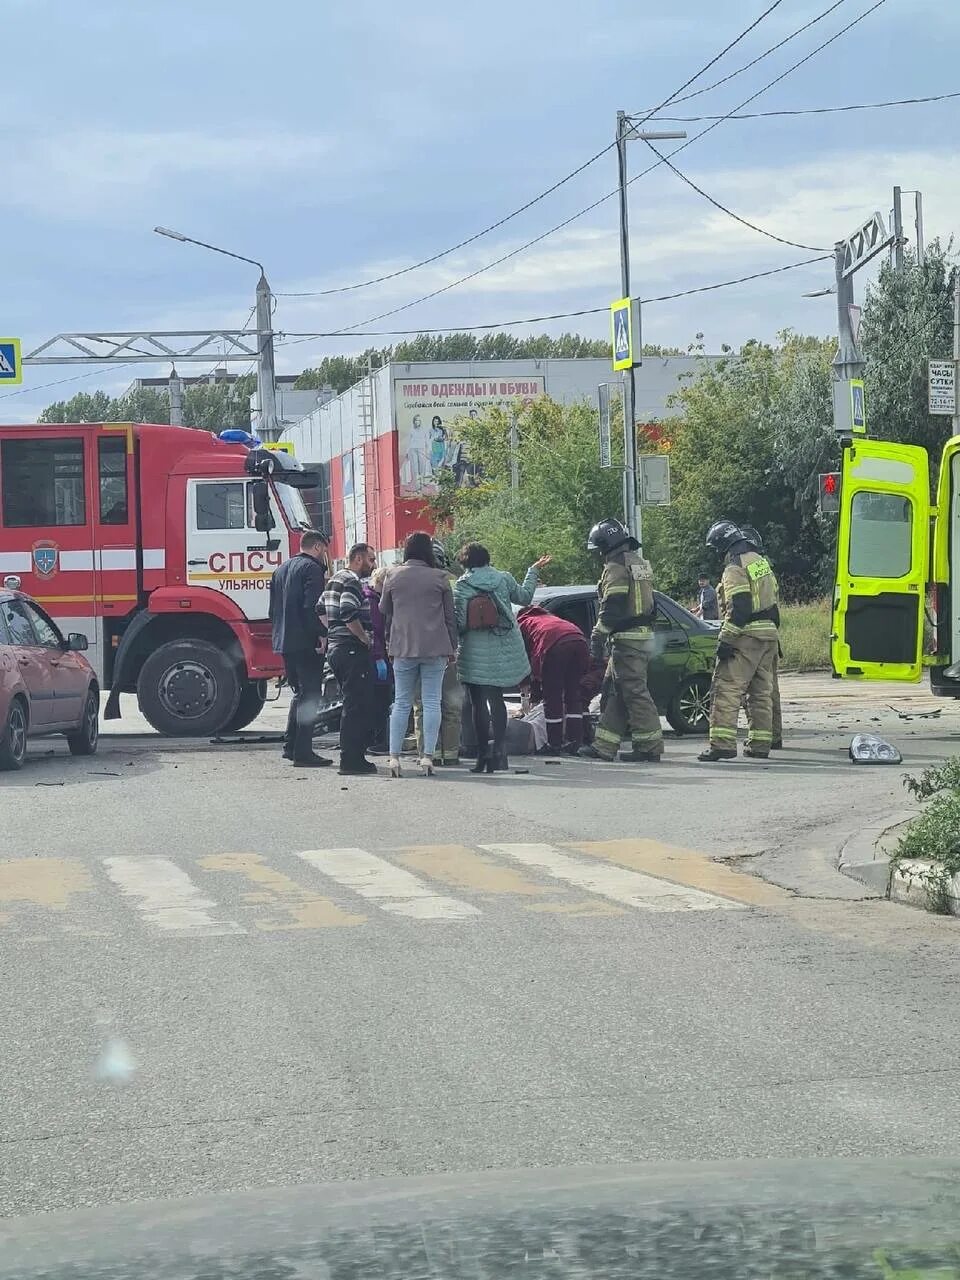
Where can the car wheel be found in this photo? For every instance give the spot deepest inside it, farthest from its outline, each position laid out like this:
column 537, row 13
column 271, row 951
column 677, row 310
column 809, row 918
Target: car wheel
column 253, row 695
column 13, row 739
column 189, row 688
column 689, row 709
column 83, row 742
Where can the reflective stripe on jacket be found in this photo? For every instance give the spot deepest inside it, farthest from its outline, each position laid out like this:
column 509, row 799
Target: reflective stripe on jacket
column 631, row 619
column 749, row 574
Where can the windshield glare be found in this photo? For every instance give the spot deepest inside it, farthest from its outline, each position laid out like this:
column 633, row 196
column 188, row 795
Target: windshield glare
column 294, row 507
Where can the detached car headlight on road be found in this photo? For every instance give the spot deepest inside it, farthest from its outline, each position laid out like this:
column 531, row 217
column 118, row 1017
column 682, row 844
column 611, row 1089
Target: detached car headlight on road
column 868, row 748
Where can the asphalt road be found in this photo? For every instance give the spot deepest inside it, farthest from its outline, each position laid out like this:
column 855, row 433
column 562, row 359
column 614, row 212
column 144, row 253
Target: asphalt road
column 222, row 972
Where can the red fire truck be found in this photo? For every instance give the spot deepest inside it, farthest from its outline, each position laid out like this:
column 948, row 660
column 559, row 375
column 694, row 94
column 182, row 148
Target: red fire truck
column 158, row 543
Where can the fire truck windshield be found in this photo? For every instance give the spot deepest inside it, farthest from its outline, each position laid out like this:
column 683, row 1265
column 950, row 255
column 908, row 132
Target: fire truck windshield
column 294, row 507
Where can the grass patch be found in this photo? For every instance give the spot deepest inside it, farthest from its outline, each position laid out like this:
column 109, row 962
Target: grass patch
column 805, row 636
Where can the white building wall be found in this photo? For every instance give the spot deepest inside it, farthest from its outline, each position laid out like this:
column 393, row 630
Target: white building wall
column 336, row 427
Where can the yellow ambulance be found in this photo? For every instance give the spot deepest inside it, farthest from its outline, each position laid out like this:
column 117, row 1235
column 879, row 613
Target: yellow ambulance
column 894, row 551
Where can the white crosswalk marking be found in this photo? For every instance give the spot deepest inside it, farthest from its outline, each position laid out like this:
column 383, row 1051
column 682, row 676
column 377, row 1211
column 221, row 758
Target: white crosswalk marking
column 166, row 896
column 632, row 888
column 390, row 887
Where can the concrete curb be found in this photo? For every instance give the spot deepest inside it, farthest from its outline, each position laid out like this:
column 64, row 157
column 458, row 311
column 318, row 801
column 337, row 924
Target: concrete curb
column 861, row 857
column 916, row 884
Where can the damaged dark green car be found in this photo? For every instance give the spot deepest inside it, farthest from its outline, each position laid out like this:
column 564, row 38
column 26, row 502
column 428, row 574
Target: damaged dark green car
column 681, row 670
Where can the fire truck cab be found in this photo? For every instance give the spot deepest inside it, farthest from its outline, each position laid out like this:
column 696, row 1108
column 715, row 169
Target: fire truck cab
column 158, row 543
column 895, row 610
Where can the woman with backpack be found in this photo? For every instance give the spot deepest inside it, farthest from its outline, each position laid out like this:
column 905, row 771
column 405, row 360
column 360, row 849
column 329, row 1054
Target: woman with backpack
column 493, row 656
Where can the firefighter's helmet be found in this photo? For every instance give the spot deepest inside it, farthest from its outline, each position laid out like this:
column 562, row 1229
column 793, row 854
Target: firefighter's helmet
column 722, row 535
column 610, row 535
column 751, row 535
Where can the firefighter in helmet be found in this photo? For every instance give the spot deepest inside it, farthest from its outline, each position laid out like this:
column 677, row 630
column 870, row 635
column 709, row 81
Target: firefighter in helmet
column 624, row 635
column 747, row 646
column 751, row 535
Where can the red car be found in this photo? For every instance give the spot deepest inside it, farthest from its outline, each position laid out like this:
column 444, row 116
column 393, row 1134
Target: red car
column 46, row 685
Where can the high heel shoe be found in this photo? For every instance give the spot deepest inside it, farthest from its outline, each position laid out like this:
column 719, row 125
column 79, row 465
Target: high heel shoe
column 425, row 765
column 394, row 766
column 481, row 762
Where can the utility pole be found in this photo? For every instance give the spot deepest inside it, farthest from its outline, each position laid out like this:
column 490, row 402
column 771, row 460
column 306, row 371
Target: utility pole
column 269, row 424
column 896, row 247
column 631, row 508
column 628, row 131
column 869, row 239
column 175, row 389
column 848, row 362
column 956, row 352
column 921, row 247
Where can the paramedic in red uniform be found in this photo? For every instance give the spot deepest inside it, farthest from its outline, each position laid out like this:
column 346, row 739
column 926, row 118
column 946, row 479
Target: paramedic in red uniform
column 559, row 659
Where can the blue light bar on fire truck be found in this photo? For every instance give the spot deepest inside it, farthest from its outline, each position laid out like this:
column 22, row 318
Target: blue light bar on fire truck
column 263, row 462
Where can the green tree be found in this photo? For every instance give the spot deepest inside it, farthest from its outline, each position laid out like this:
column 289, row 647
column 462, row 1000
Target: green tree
column 724, row 464
column 562, row 489
column 908, row 319
column 342, row 372
column 206, row 407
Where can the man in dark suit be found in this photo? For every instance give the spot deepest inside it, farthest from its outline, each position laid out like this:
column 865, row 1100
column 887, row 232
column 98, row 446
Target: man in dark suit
column 295, row 592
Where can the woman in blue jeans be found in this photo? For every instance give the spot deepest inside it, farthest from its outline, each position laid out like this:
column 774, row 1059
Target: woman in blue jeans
column 421, row 629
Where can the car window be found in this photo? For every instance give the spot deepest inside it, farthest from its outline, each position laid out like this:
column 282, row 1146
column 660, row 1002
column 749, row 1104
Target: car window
column 222, row 504
column 578, row 611
column 112, row 461
column 42, row 482
column 17, row 623
column 46, row 632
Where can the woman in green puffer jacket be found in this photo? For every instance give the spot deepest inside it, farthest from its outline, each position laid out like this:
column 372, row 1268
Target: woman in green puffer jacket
column 492, row 658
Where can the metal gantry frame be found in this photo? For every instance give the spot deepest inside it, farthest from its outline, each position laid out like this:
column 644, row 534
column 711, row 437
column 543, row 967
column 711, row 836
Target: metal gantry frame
column 126, row 346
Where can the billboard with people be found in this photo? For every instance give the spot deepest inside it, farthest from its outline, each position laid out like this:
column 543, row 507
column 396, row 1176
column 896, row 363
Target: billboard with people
column 425, row 410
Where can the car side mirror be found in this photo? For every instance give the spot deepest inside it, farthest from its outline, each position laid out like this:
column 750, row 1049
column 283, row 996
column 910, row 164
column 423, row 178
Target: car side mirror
column 263, row 520
column 77, row 642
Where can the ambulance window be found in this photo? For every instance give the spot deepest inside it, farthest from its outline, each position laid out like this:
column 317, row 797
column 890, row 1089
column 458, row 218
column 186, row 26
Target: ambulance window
column 881, row 535
column 222, row 504
column 43, row 483
column 112, row 460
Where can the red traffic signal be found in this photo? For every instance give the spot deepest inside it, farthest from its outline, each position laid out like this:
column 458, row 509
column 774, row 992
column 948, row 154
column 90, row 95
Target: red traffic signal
column 829, row 493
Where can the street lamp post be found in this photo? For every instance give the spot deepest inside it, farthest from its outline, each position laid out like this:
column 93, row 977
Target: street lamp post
column 269, row 426
column 627, row 131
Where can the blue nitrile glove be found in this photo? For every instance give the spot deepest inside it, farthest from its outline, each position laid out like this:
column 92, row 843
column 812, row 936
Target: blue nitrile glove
column 382, row 670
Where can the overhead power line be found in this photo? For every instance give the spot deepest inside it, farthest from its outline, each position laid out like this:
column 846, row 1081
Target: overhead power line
column 76, row 377
column 747, row 65
column 513, row 253
column 494, row 226
column 816, row 111
column 793, row 244
column 559, row 315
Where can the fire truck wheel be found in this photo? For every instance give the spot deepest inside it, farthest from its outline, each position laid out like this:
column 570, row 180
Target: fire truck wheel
column 252, row 697
column 13, row 737
column 189, row 688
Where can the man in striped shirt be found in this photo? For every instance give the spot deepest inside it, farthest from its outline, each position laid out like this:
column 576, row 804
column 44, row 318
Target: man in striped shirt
column 348, row 654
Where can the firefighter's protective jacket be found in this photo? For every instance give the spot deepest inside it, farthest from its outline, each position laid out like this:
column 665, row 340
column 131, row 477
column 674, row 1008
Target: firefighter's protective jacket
column 750, row 598
column 626, row 598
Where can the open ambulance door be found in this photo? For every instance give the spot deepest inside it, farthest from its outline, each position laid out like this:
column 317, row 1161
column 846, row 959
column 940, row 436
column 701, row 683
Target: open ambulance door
column 883, row 549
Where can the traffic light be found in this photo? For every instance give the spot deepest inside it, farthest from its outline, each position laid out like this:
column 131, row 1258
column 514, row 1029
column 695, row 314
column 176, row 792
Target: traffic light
column 829, row 493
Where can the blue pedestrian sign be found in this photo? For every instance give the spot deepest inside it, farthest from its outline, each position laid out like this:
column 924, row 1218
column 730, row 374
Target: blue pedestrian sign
column 621, row 328
column 11, row 368
column 858, row 410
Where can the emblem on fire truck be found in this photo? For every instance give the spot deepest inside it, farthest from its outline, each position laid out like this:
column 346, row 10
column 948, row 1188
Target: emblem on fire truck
column 46, row 558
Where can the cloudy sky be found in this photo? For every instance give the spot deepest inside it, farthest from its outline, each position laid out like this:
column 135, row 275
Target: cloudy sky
column 339, row 141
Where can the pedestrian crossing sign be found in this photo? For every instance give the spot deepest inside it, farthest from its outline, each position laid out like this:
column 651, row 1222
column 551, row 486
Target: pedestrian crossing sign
column 11, row 368
column 621, row 327
column 858, row 411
